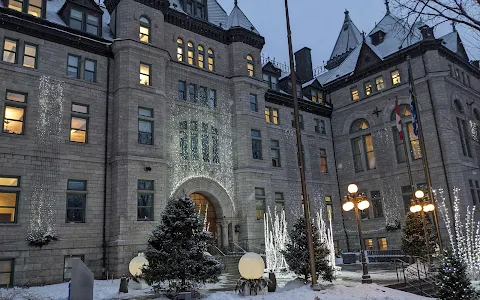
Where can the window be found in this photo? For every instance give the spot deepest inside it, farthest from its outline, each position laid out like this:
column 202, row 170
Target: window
column 362, row 145
column 323, row 161
column 368, row 88
column 76, row 201
column 302, row 125
column 275, row 149
column 396, row 77
column 205, row 143
column 145, row 200
column 260, row 203
column 299, row 91
column 6, row 272
column 317, row 96
column 271, row 115
column 195, row 8
column 215, row 153
column 253, row 103
column 15, row 5
column 14, row 113
column 407, row 197
column 329, row 206
column 256, row 144
column 320, row 126
column 10, row 50
column 68, row 265
column 145, row 74
column 457, row 73
column 377, row 204
column 450, row 70
column 476, row 114
column 79, row 123
column 355, row 94
column 382, row 244
column 191, row 53
column 369, row 152
column 368, row 244
column 250, row 66
column 203, row 95
column 379, row 83
column 201, row 57
column 145, row 126
column 32, row 7
column 92, row 25
column 279, row 202
column 211, row 60
column 144, row 33
column 76, row 19
column 468, row 80
column 182, row 86
column 475, row 191
column 192, row 92
column 30, row 56
column 89, row 73
column 180, row 50
column 357, row 154
column 184, row 139
column 194, row 139
column 464, row 137
column 212, row 99
column 73, row 66
column 463, row 77
column 365, row 214
column 9, row 192
column 272, row 81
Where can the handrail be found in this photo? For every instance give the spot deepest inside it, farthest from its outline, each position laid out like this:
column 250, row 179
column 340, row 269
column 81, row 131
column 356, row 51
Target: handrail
column 218, row 249
column 415, row 273
column 238, row 246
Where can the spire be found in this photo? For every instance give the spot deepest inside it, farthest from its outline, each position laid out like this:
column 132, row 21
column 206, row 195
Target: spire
column 388, row 7
column 238, row 19
column 346, row 14
column 454, row 29
column 348, row 38
column 235, row 2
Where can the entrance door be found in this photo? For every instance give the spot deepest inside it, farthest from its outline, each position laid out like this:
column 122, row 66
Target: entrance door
column 206, row 209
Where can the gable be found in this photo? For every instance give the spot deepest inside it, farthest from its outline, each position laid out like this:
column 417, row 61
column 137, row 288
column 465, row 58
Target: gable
column 366, row 58
column 89, row 4
column 270, row 68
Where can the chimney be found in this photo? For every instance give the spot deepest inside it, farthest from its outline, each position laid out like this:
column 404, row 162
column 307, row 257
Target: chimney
column 476, row 64
column 427, row 32
column 304, row 68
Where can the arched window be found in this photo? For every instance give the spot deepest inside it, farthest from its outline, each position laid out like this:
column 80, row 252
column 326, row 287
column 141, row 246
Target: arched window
column 191, row 53
column 250, row 66
column 476, row 114
column 404, row 112
column 362, row 146
column 458, row 106
column 211, row 60
column 144, row 29
column 408, row 134
column 462, row 126
column 180, row 50
column 201, row 57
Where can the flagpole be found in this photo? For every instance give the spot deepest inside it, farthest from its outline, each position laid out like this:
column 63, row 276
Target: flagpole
column 426, row 168
column 409, row 168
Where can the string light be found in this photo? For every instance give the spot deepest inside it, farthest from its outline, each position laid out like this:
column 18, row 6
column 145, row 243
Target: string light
column 276, row 239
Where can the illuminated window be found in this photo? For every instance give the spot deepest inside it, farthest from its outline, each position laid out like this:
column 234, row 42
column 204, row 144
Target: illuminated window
column 144, row 29
column 79, row 123
column 256, row 144
column 145, row 126
column 30, row 56
column 89, row 73
column 368, row 244
column 271, row 115
column 355, row 94
column 73, row 66
column 35, row 8
column 362, row 146
column 260, row 203
column 180, row 50
column 201, row 57
column 317, row 96
column 211, row 60
column 76, row 19
column 145, row 200
column 144, row 74
column 382, row 244
column 68, row 266
column 10, row 50
column 8, row 200
column 76, row 201
column 379, row 83
column 16, row 5
column 14, row 114
column 275, row 150
column 250, row 66
column 329, row 205
column 396, row 77
column 323, row 161
column 191, row 53
column 368, row 88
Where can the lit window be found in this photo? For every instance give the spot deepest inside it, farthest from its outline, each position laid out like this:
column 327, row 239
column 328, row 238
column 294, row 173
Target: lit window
column 355, row 94
column 368, row 244
column 201, row 57
column 191, row 53
column 144, row 74
column 13, row 118
column 10, row 50
column 328, row 202
column 260, row 203
column 144, row 30
column 368, row 89
column 250, row 66
column 180, row 50
column 68, row 266
column 182, row 86
column 92, row 25
column 35, row 8
column 9, row 181
column 379, row 83
column 76, row 201
column 73, row 66
column 90, row 70
column 78, row 130
column 8, row 200
column 317, row 96
column 6, row 272
column 30, row 56
column 16, row 5
column 256, row 144
column 76, row 19
column 362, row 146
column 145, row 200
column 253, row 103
column 271, row 115
column 396, row 77
column 382, row 244
column 145, row 126
column 275, row 150
column 211, row 60
column 323, row 161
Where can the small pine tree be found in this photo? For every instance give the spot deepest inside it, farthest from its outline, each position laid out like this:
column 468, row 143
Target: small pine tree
column 177, row 250
column 297, row 255
column 413, row 237
column 453, row 280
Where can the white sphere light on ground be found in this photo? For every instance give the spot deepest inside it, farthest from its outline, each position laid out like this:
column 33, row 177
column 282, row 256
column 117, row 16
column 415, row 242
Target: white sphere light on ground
column 136, row 265
column 251, row 266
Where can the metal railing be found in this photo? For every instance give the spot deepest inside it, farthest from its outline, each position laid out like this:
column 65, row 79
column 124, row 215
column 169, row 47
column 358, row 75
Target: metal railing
column 214, row 250
column 415, row 275
column 234, row 247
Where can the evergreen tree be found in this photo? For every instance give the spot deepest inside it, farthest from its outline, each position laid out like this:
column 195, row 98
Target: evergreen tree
column 177, row 250
column 413, row 237
column 297, row 255
column 453, row 280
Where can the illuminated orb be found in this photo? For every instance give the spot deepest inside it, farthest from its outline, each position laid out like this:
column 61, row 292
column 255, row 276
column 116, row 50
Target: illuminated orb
column 136, row 265
column 348, row 206
column 251, row 266
column 363, row 205
column 352, row 188
column 419, row 194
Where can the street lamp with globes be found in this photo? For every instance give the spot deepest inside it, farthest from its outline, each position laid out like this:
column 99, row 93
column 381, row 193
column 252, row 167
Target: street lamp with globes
column 358, row 201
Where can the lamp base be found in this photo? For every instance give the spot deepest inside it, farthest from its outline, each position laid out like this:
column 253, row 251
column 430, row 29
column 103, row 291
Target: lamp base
column 366, row 279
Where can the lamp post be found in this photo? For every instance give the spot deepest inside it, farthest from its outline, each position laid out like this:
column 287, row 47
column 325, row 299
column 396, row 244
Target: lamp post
column 422, row 206
column 358, row 201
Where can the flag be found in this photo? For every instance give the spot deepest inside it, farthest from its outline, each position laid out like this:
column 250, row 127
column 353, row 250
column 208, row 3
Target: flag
column 413, row 109
column 399, row 120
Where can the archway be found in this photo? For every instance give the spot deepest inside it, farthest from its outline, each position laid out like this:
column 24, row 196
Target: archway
column 206, row 209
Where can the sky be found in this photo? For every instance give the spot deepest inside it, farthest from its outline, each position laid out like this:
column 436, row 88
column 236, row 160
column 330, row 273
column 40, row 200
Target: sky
column 316, row 24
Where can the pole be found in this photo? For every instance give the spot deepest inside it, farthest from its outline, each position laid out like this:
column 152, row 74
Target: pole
column 426, row 236
column 301, row 163
column 424, row 152
column 365, row 277
column 409, row 168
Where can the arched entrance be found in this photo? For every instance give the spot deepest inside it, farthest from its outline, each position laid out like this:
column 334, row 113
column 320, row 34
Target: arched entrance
column 205, row 208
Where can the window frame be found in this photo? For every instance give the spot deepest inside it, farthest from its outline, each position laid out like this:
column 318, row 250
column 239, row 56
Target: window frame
column 182, row 95
column 76, row 192
column 329, row 208
column 94, row 69
column 250, row 66
column 12, row 190
column 353, row 91
column 147, row 119
column 279, row 201
column 77, row 67
column 393, row 78
column 13, row 104
column 275, row 146
column 201, row 56
column 12, row 272
column 379, row 86
column 147, row 26
column 368, row 88
column 378, row 243
column 82, row 21
column 260, row 197
column 211, row 60
column 195, row 93
column 191, row 53
column 146, row 191
column 180, row 50
column 323, row 158
column 72, row 256
column 35, row 65
column 212, row 102
column 149, row 75
column 79, row 116
column 256, row 141
column 87, row 24
column 377, row 199
column 17, row 42
column 255, row 103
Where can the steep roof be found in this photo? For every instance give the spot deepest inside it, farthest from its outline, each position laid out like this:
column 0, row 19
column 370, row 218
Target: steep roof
column 454, row 43
column 348, row 38
column 238, row 19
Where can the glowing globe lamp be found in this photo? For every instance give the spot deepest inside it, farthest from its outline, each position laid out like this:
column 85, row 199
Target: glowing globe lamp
column 348, row 206
column 429, row 207
column 136, row 265
column 419, row 194
column 363, row 205
column 352, row 188
column 415, row 208
column 251, row 266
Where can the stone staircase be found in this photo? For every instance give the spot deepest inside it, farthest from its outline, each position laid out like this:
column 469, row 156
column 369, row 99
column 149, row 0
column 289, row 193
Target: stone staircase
column 231, row 264
column 417, row 278
column 417, row 287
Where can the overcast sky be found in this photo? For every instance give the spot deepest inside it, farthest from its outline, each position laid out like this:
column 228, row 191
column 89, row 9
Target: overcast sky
column 315, row 24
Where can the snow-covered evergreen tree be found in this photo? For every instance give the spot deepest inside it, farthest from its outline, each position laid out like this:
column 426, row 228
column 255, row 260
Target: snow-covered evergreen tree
column 453, row 280
column 177, row 250
column 297, row 254
column 413, row 237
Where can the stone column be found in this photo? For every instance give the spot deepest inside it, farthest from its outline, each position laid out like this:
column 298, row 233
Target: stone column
column 225, row 243
column 219, row 235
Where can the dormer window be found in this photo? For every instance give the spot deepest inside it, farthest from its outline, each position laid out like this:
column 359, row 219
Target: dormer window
column 272, row 81
column 76, row 19
column 86, row 17
column 377, row 37
column 31, row 7
column 84, row 22
column 196, row 8
column 92, row 25
column 317, row 96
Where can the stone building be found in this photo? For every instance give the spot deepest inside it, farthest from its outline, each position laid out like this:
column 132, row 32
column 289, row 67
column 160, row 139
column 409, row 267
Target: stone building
column 111, row 109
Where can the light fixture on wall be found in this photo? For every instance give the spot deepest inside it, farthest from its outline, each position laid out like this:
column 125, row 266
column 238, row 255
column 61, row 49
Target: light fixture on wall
column 148, row 169
column 237, row 228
